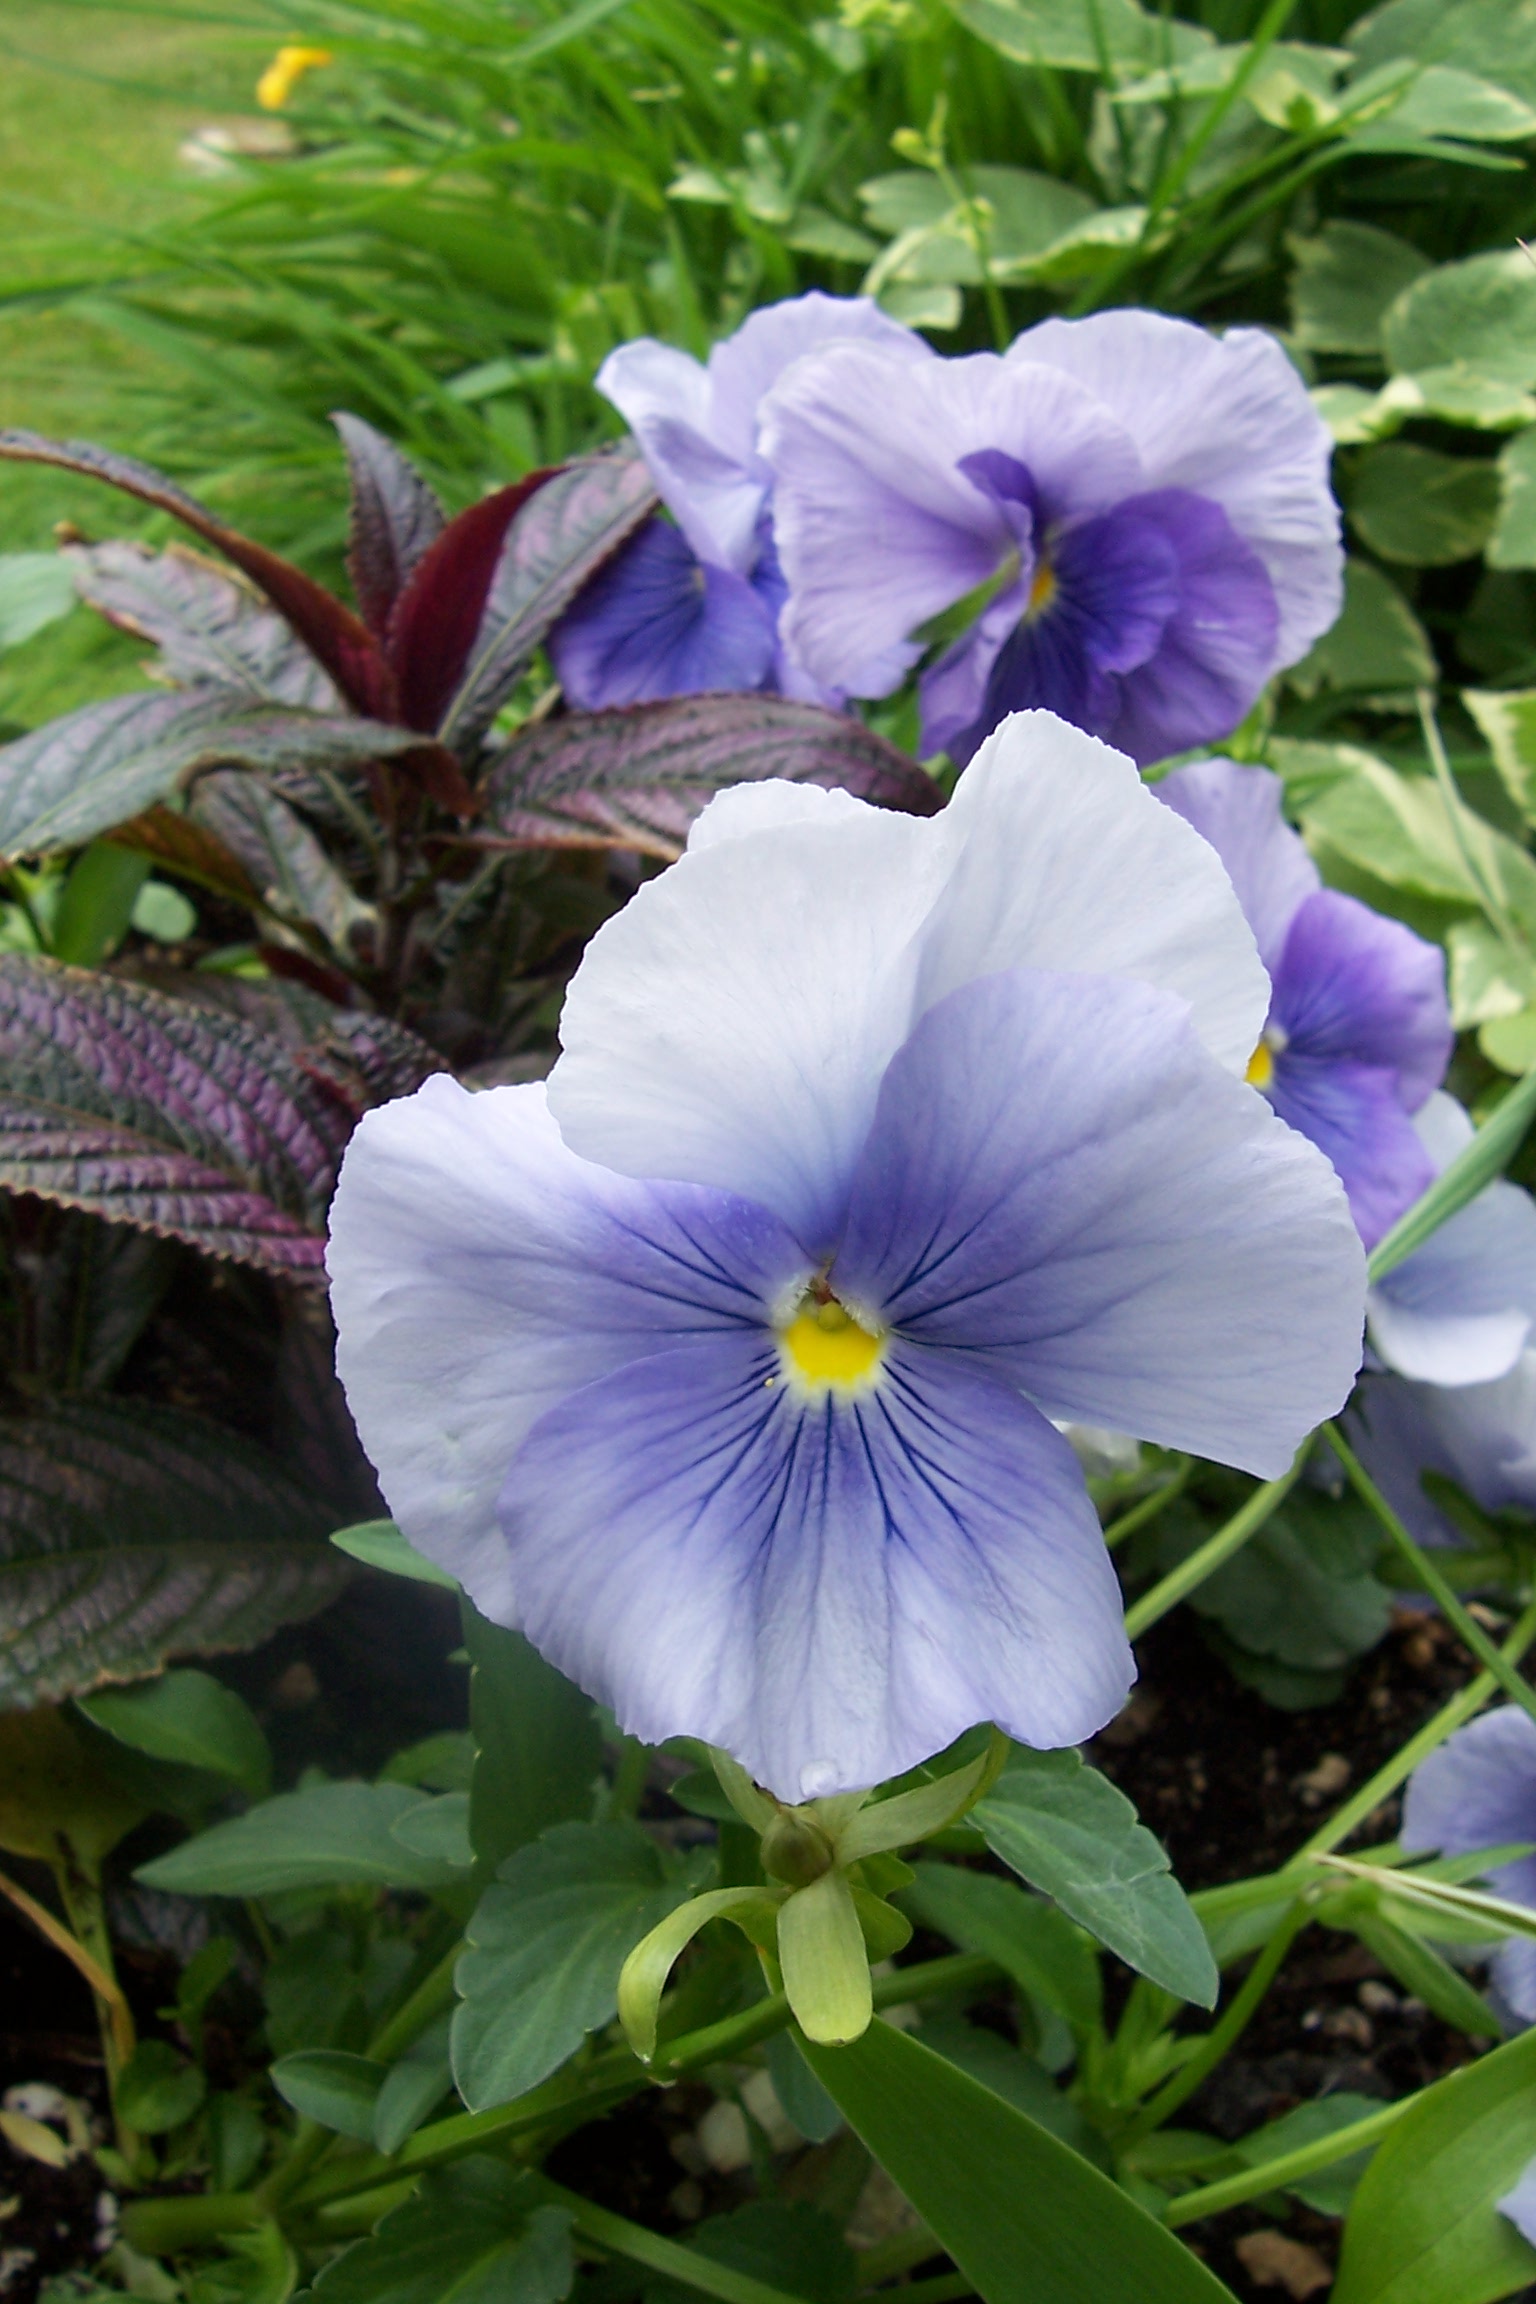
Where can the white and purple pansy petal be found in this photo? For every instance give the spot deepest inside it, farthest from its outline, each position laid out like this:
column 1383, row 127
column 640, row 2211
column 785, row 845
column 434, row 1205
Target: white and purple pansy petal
column 1480, row 1436
column 1479, row 1791
column 480, row 1272
column 1229, row 419
column 830, row 1579
column 1239, row 811
column 1061, row 1185
column 732, row 1024
column 1520, row 2205
column 657, row 621
column 1460, row 1310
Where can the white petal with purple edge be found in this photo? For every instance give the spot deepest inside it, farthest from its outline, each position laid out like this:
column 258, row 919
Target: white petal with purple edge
column 877, row 528
column 1520, row 2205
column 1479, row 1791
column 1238, row 810
column 1461, row 1308
column 480, row 1271
column 1229, row 418
column 666, row 400
column 1062, row 1183
column 831, row 1593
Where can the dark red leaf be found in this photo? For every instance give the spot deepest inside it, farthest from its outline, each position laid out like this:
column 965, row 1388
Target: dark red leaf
column 436, row 617
column 395, row 518
column 340, row 641
column 637, row 779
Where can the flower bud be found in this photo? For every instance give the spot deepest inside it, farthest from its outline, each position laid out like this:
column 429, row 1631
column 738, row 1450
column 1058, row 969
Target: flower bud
column 795, row 1850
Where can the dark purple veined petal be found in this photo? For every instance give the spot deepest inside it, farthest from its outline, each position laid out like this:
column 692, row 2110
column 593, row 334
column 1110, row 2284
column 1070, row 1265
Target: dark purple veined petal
column 658, row 622
column 1354, row 1113
column 831, row 1590
column 1351, row 984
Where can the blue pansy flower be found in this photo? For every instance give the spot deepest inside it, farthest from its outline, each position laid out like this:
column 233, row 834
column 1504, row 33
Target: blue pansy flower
column 1358, row 1033
column 725, row 1367
column 694, row 606
column 1479, row 1791
column 1139, row 511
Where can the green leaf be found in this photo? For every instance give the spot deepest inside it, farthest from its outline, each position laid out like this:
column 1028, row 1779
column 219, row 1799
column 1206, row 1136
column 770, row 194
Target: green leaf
column 78, row 776
column 537, row 1743
column 1489, row 978
column 36, row 589
column 1020, row 214
column 191, row 1718
column 1456, row 394
column 1037, row 1946
column 1513, row 544
column 469, row 2235
column 1424, row 2228
column 1377, row 643
column 1017, row 2078
column 257, row 2267
column 56, row 1799
column 414, row 2086
column 1066, row 1830
column 380, row 1544
column 1506, row 720
column 1024, row 2217
column 1481, row 312
column 1330, row 2190
column 327, row 1836
column 96, row 903
column 1072, row 35
column 1400, row 830
column 1422, row 1971
column 157, row 2089
column 438, row 1829
column 1343, row 282
column 131, row 1532
column 1490, row 37
column 786, row 2244
column 334, row 2090
column 1442, row 100
column 1302, row 1590
column 1415, row 505
column 546, row 1944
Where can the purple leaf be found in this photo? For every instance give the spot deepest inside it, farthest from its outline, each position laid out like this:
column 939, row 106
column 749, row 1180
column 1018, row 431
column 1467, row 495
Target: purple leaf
column 559, row 538
column 339, row 640
column 130, row 1533
column 395, row 517
column 279, row 853
column 206, row 624
column 96, row 767
column 433, row 625
column 637, row 779
column 154, row 1112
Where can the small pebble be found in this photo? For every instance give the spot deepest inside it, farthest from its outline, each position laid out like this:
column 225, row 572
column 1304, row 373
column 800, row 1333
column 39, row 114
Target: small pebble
column 1350, row 2024
column 723, row 2138
column 686, row 2200
column 1377, row 1999
column 1271, row 2260
column 1325, row 1781
column 294, row 1689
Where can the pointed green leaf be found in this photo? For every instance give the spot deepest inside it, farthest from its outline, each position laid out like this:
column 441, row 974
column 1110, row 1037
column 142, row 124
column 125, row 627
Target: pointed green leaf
column 1037, row 1945
column 380, row 1544
column 191, row 1718
column 1025, row 2217
column 537, row 1743
column 333, row 2089
column 469, row 2235
column 327, row 1836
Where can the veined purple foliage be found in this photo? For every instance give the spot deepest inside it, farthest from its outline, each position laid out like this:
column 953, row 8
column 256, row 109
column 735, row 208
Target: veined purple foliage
column 1479, row 1791
column 1140, row 511
column 1358, row 1033
column 725, row 1368
column 694, row 606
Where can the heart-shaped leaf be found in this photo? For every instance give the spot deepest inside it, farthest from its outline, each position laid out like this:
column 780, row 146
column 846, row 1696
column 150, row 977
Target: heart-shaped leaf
column 638, row 778
column 130, row 1533
column 152, row 1112
column 75, row 777
column 395, row 518
column 561, row 537
column 207, row 625
column 340, row 641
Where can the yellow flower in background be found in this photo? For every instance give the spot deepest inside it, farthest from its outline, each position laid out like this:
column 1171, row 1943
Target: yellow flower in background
column 285, row 71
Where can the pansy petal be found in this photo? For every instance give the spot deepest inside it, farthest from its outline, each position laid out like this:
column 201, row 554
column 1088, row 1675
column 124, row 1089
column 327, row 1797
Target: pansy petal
column 1354, row 1113
column 657, row 622
column 479, row 1271
column 1238, row 810
column 1479, row 1791
column 1482, row 1436
column 744, row 367
column 1060, row 1180
column 1351, row 983
column 830, row 1592
column 667, row 401
column 731, row 1025
column 1226, row 417
column 878, row 528
column 1520, row 2205
column 1461, row 1308
column 1069, row 863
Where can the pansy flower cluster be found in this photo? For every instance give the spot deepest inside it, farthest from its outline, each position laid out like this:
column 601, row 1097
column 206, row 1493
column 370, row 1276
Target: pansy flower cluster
column 1123, row 520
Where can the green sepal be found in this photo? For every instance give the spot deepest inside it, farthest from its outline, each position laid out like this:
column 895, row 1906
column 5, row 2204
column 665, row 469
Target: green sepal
column 886, row 1931
column 824, row 1962
column 883, row 1874
column 643, row 1978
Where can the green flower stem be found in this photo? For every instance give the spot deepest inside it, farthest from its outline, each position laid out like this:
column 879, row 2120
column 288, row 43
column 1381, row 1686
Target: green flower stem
column 159, row 2227
column 609, row 2078
column 1470, row 1631
column 1221, row 2036
column 1287, row 2168
column 432, row 1995
column 628, row 1787
column 1462, row 1707
column 616, row 2236
column 1192, row 1573
column 1149, row 1507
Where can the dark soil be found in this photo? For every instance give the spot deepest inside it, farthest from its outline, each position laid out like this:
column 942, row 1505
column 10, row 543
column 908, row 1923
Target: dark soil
column 1230, row 1784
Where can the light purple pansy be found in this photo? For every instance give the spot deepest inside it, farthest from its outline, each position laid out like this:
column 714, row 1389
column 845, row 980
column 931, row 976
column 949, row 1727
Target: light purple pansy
column 1144, row 507
column 725, row 1369
column 1358, row 1033
column 695, row 606
column 1520, row 2205
column 1481, row 1436
column 1479, row 1791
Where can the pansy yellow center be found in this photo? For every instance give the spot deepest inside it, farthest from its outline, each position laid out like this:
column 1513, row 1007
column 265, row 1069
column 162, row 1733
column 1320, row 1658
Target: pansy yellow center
column 1041, row 592
column 1261, row 1064
column 825, row 1348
